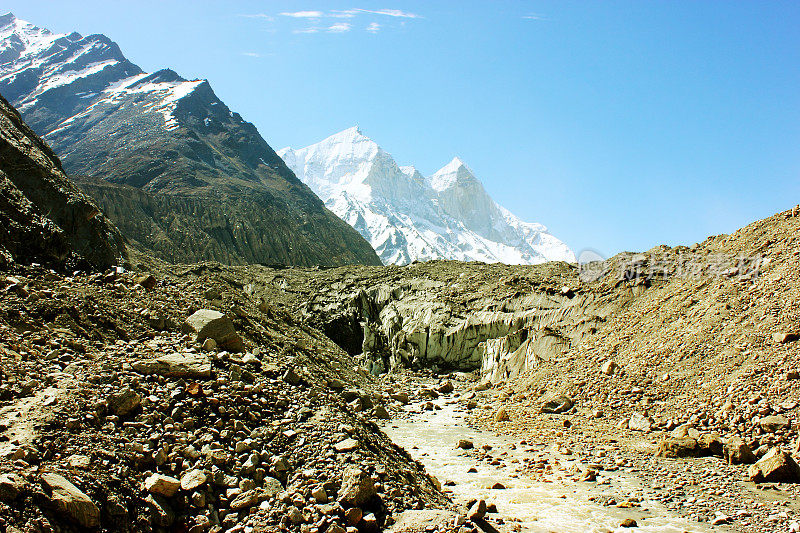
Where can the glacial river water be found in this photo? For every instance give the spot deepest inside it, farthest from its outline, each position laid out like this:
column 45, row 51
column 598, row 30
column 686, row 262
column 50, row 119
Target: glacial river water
column 539, row 506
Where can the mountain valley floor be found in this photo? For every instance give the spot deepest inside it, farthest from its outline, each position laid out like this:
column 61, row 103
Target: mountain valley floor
column 206, row 397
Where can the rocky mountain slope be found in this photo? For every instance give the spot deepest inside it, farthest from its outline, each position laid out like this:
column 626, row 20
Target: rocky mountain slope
column 408, row 217
column 684, row 352
column 182, row 175
column 44, row 217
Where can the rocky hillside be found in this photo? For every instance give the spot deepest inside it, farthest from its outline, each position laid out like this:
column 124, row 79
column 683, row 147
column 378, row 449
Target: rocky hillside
column 171, row 400
column 407, row 217
column 190, row 179
column 44, row 218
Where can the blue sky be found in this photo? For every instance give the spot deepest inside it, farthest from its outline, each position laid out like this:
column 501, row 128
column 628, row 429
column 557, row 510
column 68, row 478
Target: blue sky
column 619, row 125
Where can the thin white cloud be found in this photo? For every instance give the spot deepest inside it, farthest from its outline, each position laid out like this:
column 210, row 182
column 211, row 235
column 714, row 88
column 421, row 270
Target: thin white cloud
column 262, row 16
column 374, row 27
column 534, row 16
column 251, row 54
column 306, row 30
column 339, row 27
column 390, row 13
column 343, row 14
column 304, row 14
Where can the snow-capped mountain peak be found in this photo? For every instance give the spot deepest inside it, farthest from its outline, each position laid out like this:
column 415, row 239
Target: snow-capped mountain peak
column 408, row 217
column 77, row 75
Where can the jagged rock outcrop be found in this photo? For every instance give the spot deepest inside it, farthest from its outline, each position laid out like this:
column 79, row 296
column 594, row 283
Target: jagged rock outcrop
column 177, row 170
column 44, row 217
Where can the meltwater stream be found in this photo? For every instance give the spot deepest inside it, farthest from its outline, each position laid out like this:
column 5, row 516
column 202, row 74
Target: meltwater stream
column 431, row 437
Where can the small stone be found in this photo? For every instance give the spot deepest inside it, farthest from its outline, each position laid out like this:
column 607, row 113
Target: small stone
column 446, row 387
column 676, row 447
column 291, row 377
column 629, row 522
column 176, row 365
column 401, row 397
column 353, row 516
column 608, row 367
column 381, row 413
column 209, row 345
column 320, row 495
column 465, row 444
column 147, row 281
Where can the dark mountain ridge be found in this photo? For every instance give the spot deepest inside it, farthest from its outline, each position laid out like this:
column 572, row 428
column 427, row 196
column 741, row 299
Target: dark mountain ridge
column 231, row 198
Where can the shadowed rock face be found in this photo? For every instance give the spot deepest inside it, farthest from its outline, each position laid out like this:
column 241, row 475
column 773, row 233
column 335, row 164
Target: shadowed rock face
column 44, row 217
column 179, row 172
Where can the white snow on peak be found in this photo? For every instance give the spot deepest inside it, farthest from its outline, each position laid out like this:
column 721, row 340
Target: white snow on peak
column 408, row 217
column 57, row 61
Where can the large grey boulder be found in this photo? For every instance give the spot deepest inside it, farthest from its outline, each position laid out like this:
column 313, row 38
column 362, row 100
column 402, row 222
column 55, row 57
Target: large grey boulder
column 177, row 365
column 68, row 500
column 210, row 324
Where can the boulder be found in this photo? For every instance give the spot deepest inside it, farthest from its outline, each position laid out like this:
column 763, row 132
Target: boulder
column 250, row 498
column 608, row 368
column 446, row 387
column 465, row 444
column 11, row 486
column 685, row 430
column 773, row 423
column 210, row 324
column 161, row 512
column 677, row 447
column 68, row 500
column 177, row 365
column 477, row 510
column 357, row 487
column 501, row 415
column 775, row 466
column 639, row 422
column 782, row 337
column 557, row 404
column 347, row 445
column 124, row 402
column 193, row 479
column 162, row 485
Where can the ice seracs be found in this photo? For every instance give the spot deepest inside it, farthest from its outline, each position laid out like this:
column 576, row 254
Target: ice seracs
column 407, row 217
